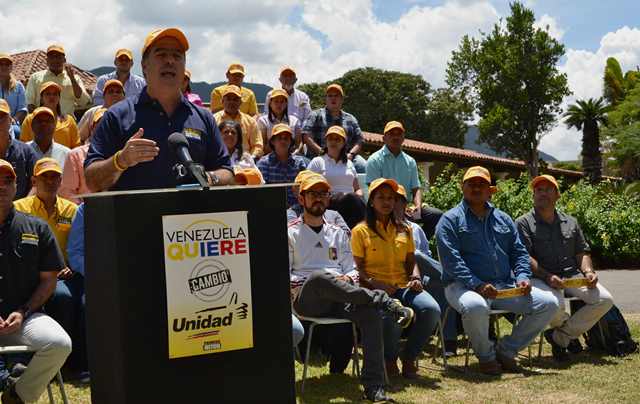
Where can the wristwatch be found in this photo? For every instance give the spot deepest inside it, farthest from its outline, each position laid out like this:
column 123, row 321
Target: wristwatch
column 26, row 311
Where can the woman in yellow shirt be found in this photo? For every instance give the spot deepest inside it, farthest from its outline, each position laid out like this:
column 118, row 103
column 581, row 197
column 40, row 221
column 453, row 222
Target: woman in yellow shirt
column 66, row 132
column 383, row 250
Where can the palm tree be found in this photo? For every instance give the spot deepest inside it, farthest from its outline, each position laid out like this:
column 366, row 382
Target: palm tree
column 588, row 115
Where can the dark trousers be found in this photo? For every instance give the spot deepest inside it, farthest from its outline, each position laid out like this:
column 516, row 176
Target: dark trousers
column 323, row 295
column 350, row 206
column 429, row 217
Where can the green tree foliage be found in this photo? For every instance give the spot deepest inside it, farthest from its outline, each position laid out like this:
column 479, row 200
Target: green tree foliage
column 623, row 135
column 376, row 96
column 510, row 76
column 616, row 85
column 588, row 116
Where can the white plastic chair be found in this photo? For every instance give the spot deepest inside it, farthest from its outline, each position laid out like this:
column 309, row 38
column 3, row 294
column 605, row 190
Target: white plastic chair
column 21, row 349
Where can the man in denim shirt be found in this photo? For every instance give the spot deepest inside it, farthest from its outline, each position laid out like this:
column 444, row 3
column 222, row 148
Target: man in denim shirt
column 481, row 253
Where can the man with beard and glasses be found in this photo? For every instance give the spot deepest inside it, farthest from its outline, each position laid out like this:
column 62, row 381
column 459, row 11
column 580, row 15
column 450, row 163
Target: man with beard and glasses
column 324, row 282
column 129, row 149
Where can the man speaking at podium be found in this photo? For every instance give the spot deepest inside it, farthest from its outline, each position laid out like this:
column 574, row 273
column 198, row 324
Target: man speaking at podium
column 129, row 149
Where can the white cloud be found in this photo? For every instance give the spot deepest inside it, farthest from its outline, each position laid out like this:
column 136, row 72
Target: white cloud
column 584, row 71
column 548, row 23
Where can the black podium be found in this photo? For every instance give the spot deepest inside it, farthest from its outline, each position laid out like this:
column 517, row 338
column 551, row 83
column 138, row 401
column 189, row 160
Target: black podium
column 129, row 250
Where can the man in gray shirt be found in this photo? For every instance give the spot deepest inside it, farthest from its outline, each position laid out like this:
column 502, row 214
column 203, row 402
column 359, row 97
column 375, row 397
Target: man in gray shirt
column 560, row 252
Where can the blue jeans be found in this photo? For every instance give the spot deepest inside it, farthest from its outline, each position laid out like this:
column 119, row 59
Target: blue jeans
column 537, row 310
column 431, row 272
column 297, row 330
column 427, row 314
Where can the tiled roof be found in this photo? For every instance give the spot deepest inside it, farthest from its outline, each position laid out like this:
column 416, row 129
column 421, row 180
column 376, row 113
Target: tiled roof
column 428, row 151
column 27, row 63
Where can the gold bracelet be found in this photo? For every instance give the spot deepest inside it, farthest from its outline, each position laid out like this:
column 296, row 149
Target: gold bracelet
column 115, row 161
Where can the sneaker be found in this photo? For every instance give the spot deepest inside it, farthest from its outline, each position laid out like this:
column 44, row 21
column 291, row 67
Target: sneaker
column 509, row 365
column 559, row 353
column 575, row 347
column 491, row 368
column 392, row 368
column 376, row 394
column 9, row 395
column 405, row 314
column 450, row 348
column 18, row 369
column 409, row 369
column 84, row 377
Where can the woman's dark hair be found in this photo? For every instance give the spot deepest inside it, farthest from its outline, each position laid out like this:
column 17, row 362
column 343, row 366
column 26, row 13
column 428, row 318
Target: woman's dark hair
column 235, row 126
column 343, row 152
column 272, row 117
column 370, row 215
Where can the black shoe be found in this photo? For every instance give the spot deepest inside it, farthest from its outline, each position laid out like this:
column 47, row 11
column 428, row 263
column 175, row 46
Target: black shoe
column 9, row 395
column 18, row 369
column 575, row 347
column 559, row 353
column 450, row 348
column 376, row 394
column 404, row 314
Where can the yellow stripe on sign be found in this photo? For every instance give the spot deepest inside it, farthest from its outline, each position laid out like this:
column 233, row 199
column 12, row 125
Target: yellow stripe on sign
column 507, row 293
column 575, row 282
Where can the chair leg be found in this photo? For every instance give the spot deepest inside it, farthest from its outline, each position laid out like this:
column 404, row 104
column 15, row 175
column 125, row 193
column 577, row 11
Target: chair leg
column 50, row 394
column 306, row 358
column 440, row 344
column 356, row 363
column 63, row 393
column 540, row 342
column 466, row 354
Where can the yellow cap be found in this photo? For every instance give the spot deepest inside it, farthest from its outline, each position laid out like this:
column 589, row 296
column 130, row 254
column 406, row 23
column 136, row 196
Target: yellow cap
column 164, row 33
column 46, row 164
column 43, row 110
column 477, row 172
column 280, row 129
column 6, row 56
column 545, row 177
column 4, row 106
column 113, row 82
column 248, row 176
column 336, row 130
column 98, row 115
column 302, row 175
column 382, row 181
column 287, row 69
column 6, row 166
column 232, row 89
column 56, row 48
column 50, row 84
column 278, row 92
column 393, row 125
column 402, row 192
column 124, row 52
column 336, row 87
column 313, row 180
column 235, row 68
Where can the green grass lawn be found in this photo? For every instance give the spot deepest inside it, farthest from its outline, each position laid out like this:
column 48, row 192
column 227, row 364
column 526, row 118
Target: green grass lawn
column 587, row 378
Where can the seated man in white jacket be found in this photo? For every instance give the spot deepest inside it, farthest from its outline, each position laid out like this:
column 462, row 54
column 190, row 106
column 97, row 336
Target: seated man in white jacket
column 324, row 281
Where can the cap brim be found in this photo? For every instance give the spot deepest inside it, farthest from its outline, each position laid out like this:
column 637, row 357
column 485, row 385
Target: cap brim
column 234, row 71
column 48, row 169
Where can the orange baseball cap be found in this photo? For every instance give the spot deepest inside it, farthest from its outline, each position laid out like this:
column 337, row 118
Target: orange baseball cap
column 4, row 106
column 278, row 92
column 248, row 176
column 113, row 82
column 160, row 33
column 124, row 52
column 383, row 181
column 235, row 68
column 336, row 130
column 402, row 192
column 336, row 87
column 287, row 69
column 55, row 48
column 50, row 84
column 302, row 175
column 392, row 125
column 545, row 177
column 43, row 110
column 6, row 166
column 46, row 164
column 98, row 115
column 280, row 129
column 6, row 56
column 477, row 172
column 232, row 89
column 312, row 181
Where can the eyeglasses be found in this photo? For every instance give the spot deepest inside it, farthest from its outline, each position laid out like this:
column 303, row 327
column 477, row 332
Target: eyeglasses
column 318, row 195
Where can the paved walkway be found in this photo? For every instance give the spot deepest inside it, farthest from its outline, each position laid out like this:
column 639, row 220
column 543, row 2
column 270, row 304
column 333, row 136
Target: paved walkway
column 624, row 285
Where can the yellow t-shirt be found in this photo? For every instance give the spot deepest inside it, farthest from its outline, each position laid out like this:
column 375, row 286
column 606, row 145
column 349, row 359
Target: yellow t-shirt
column 251, row 137
column 383, row 259
column 66, row 132
column 248, row 106
column 59, row 221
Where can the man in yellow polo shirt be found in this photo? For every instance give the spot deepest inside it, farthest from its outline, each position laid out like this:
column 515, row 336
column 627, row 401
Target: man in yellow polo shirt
column 251, row 138
column 65, row 306
column 235, row 77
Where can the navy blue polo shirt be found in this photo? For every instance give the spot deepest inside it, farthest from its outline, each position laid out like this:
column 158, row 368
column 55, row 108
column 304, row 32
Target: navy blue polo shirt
column 124, row 119
column 22, row 158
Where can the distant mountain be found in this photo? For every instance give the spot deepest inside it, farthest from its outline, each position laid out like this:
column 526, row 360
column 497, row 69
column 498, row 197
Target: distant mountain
column 471, row 143
column 202, row 88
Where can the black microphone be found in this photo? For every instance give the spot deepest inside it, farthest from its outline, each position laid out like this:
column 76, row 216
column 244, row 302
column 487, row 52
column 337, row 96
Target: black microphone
column 179, row 145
